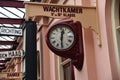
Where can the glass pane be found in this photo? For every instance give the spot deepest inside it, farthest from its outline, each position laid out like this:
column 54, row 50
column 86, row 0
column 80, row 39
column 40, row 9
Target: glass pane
column 68, row 72
column 15, row 12
column 118, row 40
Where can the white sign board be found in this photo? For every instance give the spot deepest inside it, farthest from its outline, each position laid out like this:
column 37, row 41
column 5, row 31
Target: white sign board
column 11, row 54
column 10, row 31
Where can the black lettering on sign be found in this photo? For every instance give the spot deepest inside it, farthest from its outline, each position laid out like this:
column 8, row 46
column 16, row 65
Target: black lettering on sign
column 15, row 53
column 62, row 9
column 3, row 55
column 13, row 75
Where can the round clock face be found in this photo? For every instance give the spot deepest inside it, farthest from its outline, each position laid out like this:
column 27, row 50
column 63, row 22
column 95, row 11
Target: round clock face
column 61, row 36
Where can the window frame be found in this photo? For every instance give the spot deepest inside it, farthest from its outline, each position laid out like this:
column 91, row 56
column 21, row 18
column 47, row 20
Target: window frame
column 62, row 64
column 115, row 10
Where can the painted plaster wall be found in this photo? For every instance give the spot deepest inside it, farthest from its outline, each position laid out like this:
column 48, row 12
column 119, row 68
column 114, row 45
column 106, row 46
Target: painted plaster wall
column 102, row 53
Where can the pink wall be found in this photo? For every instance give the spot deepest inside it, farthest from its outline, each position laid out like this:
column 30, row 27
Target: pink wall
column 99, row 62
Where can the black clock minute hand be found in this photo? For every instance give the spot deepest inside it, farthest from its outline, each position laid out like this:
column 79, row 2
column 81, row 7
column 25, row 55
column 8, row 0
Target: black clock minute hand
column 61, row 38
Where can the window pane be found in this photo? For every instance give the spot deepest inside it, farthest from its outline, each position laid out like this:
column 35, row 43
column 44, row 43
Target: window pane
column 118, row 39
column 68, row 72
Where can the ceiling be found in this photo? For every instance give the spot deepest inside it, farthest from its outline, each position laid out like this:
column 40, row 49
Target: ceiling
column 12, row 14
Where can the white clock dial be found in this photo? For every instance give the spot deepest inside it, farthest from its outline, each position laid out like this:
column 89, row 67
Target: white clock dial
column 61, row 36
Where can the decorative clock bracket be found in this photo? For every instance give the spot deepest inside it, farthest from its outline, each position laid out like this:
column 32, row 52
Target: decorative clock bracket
column 78, row 58
column 78, row 50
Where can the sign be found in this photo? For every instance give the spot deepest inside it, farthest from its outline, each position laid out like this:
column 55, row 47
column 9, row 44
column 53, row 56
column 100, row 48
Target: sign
column 11, row 76
column 11, row 54
column 87, row 16
column 62, row 11
column 10, row 31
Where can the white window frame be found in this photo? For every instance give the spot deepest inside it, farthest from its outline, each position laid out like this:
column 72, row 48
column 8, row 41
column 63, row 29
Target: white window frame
column 116, row 28
column 60, row 67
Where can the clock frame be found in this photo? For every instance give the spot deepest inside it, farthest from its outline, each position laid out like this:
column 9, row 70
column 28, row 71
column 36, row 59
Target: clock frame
column 60, row 51
column 61, row 36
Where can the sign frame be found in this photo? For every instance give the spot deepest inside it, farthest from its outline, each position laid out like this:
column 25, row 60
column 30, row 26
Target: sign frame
column 10, row 31
column 12, row 54
column 11, row 75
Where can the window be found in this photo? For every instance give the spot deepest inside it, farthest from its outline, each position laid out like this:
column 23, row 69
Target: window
column 38, row 65
column 66, row 71
column 116, row 29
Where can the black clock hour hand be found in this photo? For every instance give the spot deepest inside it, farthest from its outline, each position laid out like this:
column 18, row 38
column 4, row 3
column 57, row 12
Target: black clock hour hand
column 61, row 38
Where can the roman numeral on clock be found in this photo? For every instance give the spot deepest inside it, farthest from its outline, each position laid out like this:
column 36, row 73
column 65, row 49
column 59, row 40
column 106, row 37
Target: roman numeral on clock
column 54, row 42
column 69, row 40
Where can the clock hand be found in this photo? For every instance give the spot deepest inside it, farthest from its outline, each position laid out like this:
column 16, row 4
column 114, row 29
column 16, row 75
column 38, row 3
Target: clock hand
column 61, row 38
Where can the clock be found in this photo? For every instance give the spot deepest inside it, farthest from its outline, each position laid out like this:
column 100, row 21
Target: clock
column 64, row 38
column 61, row 36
